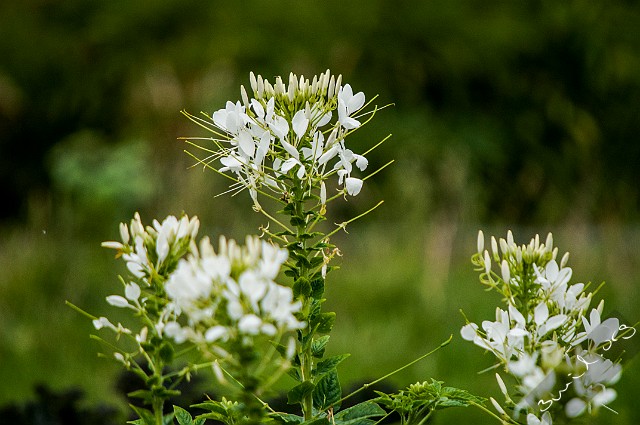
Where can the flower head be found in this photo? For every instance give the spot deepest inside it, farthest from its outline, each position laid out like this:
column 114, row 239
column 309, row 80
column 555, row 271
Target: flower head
column 282, row 132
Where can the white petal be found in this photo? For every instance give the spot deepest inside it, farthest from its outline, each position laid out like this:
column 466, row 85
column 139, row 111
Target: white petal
column 215, row 333
column 300, row 123
column 356, row 102
column 541, row 313
column 117, row 301
column 353, row 185
column 361, row 162
column 291, row 150
column 575, row 407
column 132, row 291
column 250, row 324
column 468, row 331
column 323, row 193
column 288, row 165
column 246, row 143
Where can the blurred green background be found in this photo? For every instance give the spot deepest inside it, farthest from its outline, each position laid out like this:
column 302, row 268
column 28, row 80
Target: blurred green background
column 507, row 115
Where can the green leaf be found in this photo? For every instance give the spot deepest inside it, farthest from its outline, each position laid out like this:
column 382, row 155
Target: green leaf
column 359, row 414
column 317, row 288
column 302, row 286
column 328, row 365
column 327, row 392
column 224, row 411
column 297, row 221
column 145, row 415
column 183, row 417
column 318, row 346
column 299, row 392
column 317, row 421
column 324, row 322
column 286, row 418
column 142, row 394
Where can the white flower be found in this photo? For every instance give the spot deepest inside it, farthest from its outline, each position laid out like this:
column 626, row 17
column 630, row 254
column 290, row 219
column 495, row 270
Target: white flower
column 230, row 119
column 349, row 103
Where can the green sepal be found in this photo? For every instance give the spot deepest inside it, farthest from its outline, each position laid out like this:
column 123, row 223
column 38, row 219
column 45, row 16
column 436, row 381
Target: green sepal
column 299, row 392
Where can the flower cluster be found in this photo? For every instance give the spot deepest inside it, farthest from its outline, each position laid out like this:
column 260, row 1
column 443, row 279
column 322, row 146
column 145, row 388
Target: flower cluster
column 230, row 294
column 151, row 251
column 185, row 291
column 286, row 132
column 543, row 337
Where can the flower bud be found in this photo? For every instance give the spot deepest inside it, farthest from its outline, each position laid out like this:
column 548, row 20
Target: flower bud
column 487, row 262
column 506, row 274
column 480, row 242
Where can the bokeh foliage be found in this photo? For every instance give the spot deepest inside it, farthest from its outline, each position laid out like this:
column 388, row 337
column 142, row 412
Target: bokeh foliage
column 519, row 114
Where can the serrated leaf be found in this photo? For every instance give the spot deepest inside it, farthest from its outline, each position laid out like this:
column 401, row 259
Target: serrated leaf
column 324, row 322
column 367, row 409
column 183, row 417
column 317, row 287
column 327, row 365
column 299, row 392
column 318, row 346
column 302, row 286
column 327, row 392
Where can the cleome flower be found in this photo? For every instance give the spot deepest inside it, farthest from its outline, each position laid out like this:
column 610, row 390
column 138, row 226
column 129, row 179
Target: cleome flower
column 538, row 337
column 230, row 295
column 287, row 131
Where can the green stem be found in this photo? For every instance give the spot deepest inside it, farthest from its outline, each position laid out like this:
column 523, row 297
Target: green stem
column 158, row 405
